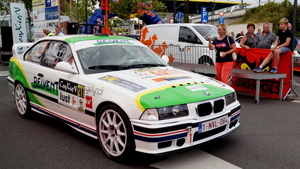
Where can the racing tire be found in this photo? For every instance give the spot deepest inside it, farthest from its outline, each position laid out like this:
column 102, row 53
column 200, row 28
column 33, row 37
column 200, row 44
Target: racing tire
column 115, row 133
column 22, row 101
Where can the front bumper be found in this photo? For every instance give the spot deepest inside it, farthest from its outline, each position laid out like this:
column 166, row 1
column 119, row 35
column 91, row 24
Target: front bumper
column 169, row 137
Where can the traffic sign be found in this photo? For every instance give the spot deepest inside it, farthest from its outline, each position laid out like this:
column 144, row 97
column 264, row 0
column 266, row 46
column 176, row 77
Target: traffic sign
column 221, row 13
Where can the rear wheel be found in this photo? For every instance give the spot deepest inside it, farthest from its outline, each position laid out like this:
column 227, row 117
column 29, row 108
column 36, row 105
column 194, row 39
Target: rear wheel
column 115, row 133
column 22, row 101
column 206, row 60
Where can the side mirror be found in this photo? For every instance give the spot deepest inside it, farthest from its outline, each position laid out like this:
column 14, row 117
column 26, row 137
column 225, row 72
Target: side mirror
column 165, row 58
column 66, row 67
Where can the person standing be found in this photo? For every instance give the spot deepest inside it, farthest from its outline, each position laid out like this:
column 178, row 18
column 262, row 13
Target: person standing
column 47, row 32
column 281, row 46
column 224, row 46
column 240, row 34
column 232, row 34
column 249, row 40
column 258, row 31
column 295, row 39
column 58, row 31
column 266, row 38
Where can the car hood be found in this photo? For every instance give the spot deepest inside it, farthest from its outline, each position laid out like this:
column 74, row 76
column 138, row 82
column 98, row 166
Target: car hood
column 163, row 86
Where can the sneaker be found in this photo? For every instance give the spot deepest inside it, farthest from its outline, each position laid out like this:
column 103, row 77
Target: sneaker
column 274, row 70
column 258, row 70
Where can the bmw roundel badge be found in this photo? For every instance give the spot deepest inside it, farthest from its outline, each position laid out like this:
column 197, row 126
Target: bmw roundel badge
column 206, row 93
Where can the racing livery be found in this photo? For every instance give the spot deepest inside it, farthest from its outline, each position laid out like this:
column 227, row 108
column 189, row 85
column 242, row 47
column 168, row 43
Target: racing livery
column 117, row 90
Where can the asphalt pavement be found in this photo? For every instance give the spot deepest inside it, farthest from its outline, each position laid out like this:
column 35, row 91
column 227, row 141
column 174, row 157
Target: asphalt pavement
column 268, row 138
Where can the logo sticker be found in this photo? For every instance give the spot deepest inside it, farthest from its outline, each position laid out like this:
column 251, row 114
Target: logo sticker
column 89, row 102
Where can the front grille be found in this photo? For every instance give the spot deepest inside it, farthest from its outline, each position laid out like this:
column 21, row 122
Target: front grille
column 199, row 136
column 218, row 106
column 204, row 109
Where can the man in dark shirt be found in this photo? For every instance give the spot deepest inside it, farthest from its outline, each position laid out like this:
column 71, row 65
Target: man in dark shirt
column 265, row 38
column 240, row 34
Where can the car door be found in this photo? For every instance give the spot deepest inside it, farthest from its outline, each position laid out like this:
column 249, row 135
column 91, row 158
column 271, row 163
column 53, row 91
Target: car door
column 63, row 98
column 30, row 65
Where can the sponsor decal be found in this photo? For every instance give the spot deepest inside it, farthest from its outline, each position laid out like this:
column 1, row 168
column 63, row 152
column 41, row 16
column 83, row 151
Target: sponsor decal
column 112, row 41
column 89, row 102
column 123, row 83
column 94, row 90
column 171, row 78
column 64, row 97
column 45, row 85
column 266, row 86
column 146, row 74
column 196, row 88
column 80, row 108
column 72, row 88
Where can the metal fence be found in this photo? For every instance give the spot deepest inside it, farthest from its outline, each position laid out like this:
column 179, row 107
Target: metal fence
column 187, row 54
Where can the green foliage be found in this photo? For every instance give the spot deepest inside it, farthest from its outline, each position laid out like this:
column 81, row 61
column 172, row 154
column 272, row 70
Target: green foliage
column 79, row 8
column 125, row 8
column 271, row 12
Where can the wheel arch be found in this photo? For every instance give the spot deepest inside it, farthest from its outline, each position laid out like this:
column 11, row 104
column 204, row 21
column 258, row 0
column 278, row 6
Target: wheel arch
column 205, row 59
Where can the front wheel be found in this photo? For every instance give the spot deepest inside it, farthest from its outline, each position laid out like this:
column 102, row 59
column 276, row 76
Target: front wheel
column 22, row 101
column 115, row 133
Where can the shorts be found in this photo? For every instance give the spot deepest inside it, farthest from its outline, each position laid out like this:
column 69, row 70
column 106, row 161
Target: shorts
column 284, row 49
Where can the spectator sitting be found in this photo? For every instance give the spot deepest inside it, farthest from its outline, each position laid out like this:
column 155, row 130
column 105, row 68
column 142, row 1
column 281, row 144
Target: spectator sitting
column 281, row 46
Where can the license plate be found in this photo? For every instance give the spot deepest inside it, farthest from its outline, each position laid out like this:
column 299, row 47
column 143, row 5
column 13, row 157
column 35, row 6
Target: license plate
column 212, row 124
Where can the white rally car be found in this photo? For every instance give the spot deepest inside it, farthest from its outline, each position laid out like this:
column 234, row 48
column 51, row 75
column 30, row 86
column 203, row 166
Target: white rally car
column 120, row 92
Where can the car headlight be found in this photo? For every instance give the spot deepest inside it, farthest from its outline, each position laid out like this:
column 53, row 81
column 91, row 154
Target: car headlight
column 230, row 98
column 165, row 113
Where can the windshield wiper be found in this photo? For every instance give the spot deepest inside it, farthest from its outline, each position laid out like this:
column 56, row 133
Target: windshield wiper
column 145, row 65
column 109, row 67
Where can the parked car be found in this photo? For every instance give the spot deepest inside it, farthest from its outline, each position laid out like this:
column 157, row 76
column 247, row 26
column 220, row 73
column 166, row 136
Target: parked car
column 117, row 90
column 183, row 37
column 297, row 61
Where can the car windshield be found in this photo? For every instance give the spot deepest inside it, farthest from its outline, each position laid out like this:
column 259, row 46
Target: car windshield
column 207, row 30
column 105, row 58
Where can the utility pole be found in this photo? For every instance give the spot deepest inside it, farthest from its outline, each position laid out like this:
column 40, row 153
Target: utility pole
column 174, row 11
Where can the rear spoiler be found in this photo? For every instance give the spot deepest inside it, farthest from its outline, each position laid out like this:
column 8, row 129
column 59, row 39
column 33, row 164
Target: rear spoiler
column 19, row 48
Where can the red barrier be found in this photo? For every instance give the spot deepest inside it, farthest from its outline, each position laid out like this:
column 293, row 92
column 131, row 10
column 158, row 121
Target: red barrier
column 251, row 59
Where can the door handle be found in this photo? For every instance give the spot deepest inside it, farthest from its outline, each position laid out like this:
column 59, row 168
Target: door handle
column 40, row 75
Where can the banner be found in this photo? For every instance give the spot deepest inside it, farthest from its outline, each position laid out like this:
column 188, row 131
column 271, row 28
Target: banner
column 18, row 22
column 251, row 59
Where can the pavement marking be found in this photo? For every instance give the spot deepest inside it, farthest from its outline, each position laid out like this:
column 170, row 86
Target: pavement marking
column 296, row 101
column 194, row 159
column 4, row 73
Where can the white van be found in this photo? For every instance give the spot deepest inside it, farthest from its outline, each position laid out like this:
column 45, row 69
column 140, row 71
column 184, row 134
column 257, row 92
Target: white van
column 186, row 42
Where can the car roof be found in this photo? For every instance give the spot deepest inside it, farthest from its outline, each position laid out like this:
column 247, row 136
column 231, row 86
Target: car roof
column 82, row 37
column 180, row 24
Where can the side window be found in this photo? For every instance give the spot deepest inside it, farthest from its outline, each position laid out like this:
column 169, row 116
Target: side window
column 36, row 53
column 56, row 52
column 187, row 35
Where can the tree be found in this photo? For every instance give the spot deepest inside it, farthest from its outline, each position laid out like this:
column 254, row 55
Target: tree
column 124, row 8
column 79, row 9
column 28, row 7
